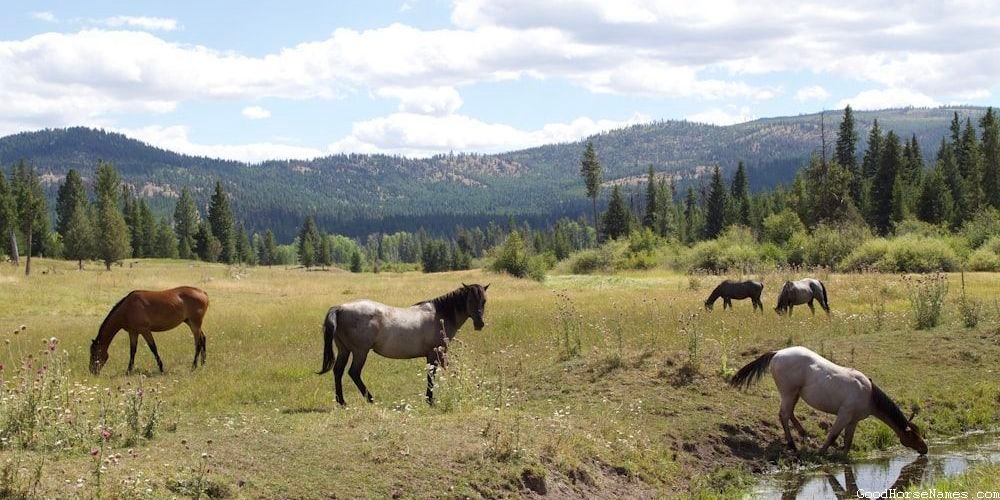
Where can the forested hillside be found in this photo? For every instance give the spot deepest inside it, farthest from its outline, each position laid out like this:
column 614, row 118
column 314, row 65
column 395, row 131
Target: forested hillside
column 360, row 194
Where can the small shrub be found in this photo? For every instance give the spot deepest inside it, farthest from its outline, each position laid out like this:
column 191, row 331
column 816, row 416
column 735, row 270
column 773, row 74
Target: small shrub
column 927, row 294
column 512, row 258
column 689, row 327
column 569, row 320
column 983, row 226
column 592, row 261
column 969, row 308
column 907, row 254
column 827, row 246
column 780, row 227
column 987, row 257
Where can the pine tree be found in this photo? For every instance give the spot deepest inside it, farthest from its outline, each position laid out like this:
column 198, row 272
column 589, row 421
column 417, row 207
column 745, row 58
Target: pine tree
column 740, row 196
column 244, row 249
column 913, row 160
column 186, row 221
column 267, row 249
column 956, row 131
column 847, row 144
column 71, row 196
column 78, row 236
column 715, row 209
column 883, row 184
column 652, row 216
column 873, row 154
column 208, row 247
column 31, row 211
column 308, row 242
column 113, row 238
column 969, row 167
column 665, row 206
column 147, row 229
column 690, row 216
column 991, row 157
column 165, row 245
column 356, row 264
column 590, row 169
column 8, row 218
column 220, row 218
column 130, row 211
column 899, row 201
column 953, row 181
column 324, row 255
column 617, row 218
column 934, row 204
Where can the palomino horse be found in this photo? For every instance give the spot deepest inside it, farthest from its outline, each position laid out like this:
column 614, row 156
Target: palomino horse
column 803, row 291
column 143, row 312
column 739, row 290
column 398, row 333
column 828, row 387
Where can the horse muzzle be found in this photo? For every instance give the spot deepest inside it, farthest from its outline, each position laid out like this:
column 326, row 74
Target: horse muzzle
column 478, row 325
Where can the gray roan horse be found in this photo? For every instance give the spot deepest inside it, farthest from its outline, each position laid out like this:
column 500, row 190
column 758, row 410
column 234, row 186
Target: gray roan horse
column 830, row 388
column 803, row 291
column 398, row 333
column 739, row 290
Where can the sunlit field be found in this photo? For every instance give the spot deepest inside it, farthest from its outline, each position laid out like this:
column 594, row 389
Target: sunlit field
column 586, row 386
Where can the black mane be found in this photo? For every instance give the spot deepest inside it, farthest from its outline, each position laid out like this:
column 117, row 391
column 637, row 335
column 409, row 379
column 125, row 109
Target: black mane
column 112, row 311
column 883, row 403
column 447, row 305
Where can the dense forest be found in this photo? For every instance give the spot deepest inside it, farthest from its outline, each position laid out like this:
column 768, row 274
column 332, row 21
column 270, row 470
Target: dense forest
column 357, row 195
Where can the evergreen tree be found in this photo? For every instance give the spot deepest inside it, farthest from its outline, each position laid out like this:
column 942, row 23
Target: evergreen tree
column 740, row 196
column 113, row 238
column 78, row 234
column 186, row 221
column 8, row 218
column 31, row 211
column 130, row 211
column 883, row 184
column 147, row 229
column 617, row 218
column 934, row 204
column 356, row 263
column 991, row 157
column 913, row 161
column 956, row 131
column 953, row 181
column 590, row 169
column 665, row 207
column 715, row 210
column 165, row 241
column 847, row 145
column 899, row 201
column 652, row 216
column 244, row 249
column 828, row 188
column 873, row 154
column 969, row 162
column 208, row 247
column 308, row 242
column 267, row 249
column 71, row 196
column 691, row 228
column 220, row 218
column 324, row 256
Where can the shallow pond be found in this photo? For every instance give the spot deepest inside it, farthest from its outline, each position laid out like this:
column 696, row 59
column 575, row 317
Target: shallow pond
column 899, row 470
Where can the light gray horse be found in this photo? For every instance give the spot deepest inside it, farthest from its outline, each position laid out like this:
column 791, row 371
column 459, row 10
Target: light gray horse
column 830, row 388
column 803, row 291
column 398, row 333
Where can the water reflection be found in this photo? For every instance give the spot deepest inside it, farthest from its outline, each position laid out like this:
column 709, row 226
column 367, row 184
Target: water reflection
column 873, row 477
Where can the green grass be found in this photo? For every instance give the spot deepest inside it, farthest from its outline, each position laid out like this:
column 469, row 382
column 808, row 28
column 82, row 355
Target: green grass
column 623, row 416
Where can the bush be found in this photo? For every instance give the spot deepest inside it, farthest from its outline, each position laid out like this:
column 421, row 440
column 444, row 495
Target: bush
column 592, row 261
column 983, row 226
column 828, row 246
column 927, row 294
column 512, row 258
column 984, row 260
column 780, row 227
column 906, row 254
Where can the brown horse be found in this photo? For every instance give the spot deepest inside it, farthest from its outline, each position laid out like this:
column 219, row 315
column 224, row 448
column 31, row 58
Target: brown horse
column 143, row 312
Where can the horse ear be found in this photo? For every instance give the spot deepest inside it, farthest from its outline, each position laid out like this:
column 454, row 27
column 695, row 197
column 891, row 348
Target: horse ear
column 464, row 285
column 487, row 287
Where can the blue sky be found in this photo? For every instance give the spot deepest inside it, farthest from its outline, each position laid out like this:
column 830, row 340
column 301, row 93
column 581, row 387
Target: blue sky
column 259, row 80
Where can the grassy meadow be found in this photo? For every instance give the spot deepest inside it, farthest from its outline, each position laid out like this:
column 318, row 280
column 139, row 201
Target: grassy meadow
column 581, row 386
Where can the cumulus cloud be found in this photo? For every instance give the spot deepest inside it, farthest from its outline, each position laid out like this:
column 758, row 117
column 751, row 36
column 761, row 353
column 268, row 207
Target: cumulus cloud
column 256, row 113
column 718, row 116
column 142, row 22
column 888, row 98
column 176, row 138
column 425, row 135
column 44, row 16
column 424, row 100
column 811, row 93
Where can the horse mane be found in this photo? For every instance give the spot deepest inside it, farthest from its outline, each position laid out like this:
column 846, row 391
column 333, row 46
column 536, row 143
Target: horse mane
column 112, row 311
column 448, row 304
column 883, row 403
column 716, row 292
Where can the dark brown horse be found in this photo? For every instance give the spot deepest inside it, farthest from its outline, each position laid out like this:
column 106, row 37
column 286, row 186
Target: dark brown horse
column 143, row 312
column 739, row 290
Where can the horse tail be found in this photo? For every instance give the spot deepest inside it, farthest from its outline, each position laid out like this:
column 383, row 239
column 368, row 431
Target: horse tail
column 752, row 372
column 826, row 299
column 329, row 330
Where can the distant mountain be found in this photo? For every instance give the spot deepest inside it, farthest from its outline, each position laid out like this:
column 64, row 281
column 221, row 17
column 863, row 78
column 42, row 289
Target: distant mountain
column 359, row 194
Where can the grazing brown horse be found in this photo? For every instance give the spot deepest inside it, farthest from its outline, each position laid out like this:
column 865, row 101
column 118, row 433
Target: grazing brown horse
column 143, row 312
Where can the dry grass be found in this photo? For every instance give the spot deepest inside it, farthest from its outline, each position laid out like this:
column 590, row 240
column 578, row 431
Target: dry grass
column 627, row 415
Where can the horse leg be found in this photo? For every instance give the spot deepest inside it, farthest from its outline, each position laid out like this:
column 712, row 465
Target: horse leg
column 786, row 413
column 798, row 427
column 849, row 435
column 152, row 348
column 133, row 340
column 811, row 307
column 357, row 364
column 199, row 341
column 728, row 304
column 790, row 307
column 432, row 364
column 338, row 370
column 843, row 418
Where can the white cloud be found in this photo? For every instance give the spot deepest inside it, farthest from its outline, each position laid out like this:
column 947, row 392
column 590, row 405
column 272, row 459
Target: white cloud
column 256, row 113
column 718, row 116
column 424, row 100
column 175, row 138
column 425, row 135
column 811, row 93
column 46, row 16
column 888, row 98
column 142, row 22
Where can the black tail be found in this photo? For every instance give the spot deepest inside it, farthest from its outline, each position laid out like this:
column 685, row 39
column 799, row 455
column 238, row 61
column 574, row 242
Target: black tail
column 329, row 329
column 826, row 299
column 752, row 372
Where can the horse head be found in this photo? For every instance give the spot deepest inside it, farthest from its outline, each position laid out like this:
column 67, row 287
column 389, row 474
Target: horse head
column 475, row 304
column 98, row 357
column 910, row 436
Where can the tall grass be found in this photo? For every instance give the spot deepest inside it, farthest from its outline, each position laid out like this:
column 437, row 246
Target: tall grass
column 927, row 295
